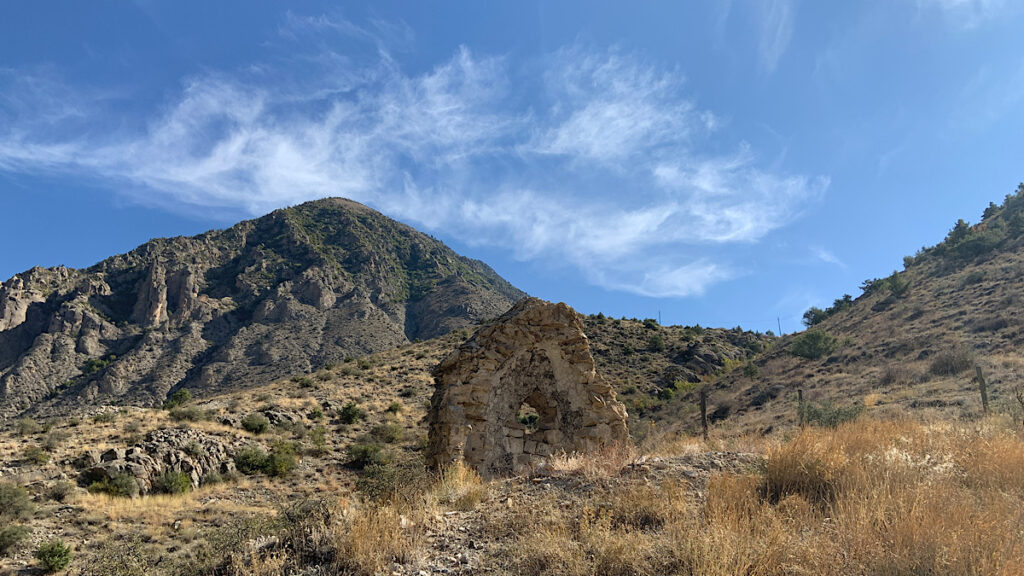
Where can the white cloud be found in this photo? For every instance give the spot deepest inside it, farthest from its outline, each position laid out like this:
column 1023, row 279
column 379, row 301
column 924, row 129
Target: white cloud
column 966, row 13
column 776, row 32
column 827, row 256
column 602, row 170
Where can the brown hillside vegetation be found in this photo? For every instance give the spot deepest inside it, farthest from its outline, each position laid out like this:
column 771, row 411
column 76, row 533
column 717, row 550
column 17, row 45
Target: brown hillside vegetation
column 869, row 497
column 912, row 341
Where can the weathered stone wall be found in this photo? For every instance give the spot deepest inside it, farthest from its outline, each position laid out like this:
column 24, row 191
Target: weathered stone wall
column 536, row 353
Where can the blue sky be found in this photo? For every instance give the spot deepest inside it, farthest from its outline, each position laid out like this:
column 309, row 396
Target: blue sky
column 722, row 163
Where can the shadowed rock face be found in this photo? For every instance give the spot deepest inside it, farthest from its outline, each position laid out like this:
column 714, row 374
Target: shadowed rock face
column 535, row 354
column 265, row 299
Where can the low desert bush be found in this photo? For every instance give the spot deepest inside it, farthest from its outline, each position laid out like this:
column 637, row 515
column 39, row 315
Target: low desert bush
column 34, row 454
column 387, row 432
column 401, row 480
column 350, row 413
column 256, row 423
column 11, row 536
column 15, row 503
column 60, row 491
column 27, row 426
column 174, row 482
column 951, row 362
column 365, row 454
column 828, row 414
column 105, row 417
column 280, row 461
column 190, row 414
column 122, row 484
column 54, row 555
column 813, row 344
column 251, row 460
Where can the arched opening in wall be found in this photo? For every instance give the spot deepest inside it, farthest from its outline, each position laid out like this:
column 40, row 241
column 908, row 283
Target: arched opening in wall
column 528, row 416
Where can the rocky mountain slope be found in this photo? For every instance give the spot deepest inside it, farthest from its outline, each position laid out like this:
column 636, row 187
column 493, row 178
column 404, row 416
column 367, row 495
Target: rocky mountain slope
column 912, row 341
column 295, row 290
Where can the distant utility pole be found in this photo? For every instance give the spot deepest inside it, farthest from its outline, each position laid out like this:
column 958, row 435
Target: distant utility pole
column 659, row 317
column 779, row 320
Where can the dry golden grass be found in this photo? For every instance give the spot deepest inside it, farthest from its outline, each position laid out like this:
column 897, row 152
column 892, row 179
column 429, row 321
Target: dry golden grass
column 870, row 497
column 458, row 487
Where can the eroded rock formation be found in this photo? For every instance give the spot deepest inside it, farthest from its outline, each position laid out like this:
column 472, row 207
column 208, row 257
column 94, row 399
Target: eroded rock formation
column 198, row 455
column 535, row 355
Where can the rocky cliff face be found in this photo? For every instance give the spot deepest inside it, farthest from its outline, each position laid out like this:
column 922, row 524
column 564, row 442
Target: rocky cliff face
column 286, row 293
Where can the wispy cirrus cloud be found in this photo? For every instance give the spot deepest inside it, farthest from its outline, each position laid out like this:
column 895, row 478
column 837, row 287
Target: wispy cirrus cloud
column 776, row 22
column 605, row 170
column 966, row 13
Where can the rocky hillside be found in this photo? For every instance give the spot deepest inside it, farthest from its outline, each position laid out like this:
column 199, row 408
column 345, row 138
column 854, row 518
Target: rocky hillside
column 911, row 341
column 290, row 292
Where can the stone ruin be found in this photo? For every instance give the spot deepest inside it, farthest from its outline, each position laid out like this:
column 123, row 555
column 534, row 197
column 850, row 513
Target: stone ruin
column 535, row 354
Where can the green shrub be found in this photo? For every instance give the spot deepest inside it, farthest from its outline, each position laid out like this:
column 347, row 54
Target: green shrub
column 318, row 438
column 60, row 491
column 174, row 482
column 656, row 343
column 814, row 316
column 315, row 413
column 251, row 460
column 394, row 408
column 10, row 536
column 122, row 484
column 105, row 417
column 750, row 370
column 27, row 426
column 187, row 414
column 813, row 344
column 281, row 460
column 94, row 365
column 256, row 423
column 388, row 432
column 350, row 413
column 14, row 502
column 54, row 555
column 528, row 419
column 177, row 399
column 366, row 454
column 828, row 415
column 35, row 454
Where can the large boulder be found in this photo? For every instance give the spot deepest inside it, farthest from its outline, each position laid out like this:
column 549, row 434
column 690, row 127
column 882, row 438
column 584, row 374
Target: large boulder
column 535, row 356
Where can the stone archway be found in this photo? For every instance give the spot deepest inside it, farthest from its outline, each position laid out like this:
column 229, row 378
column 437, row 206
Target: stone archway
column 535, row 354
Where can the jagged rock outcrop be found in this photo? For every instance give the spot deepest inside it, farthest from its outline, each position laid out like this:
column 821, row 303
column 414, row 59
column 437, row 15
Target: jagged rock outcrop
column 289, row 292
column 535, row 354
column 192, row 452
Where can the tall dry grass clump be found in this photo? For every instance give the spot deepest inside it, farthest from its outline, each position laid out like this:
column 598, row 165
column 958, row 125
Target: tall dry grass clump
column 458, row 487
column 868, row 497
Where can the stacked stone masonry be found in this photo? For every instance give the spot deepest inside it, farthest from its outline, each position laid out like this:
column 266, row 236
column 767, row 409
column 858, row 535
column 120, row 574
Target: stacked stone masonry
column 535, row 354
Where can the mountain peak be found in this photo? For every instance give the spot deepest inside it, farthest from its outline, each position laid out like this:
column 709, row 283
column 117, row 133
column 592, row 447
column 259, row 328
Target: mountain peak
column 287, row 292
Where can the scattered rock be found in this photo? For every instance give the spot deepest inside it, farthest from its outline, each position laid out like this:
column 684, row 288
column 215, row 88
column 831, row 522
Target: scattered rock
column 192, row 452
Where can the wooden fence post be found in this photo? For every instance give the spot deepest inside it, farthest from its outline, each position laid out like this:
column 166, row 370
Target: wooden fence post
column 800, row 406
column 980, row 377
column 704, row 412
